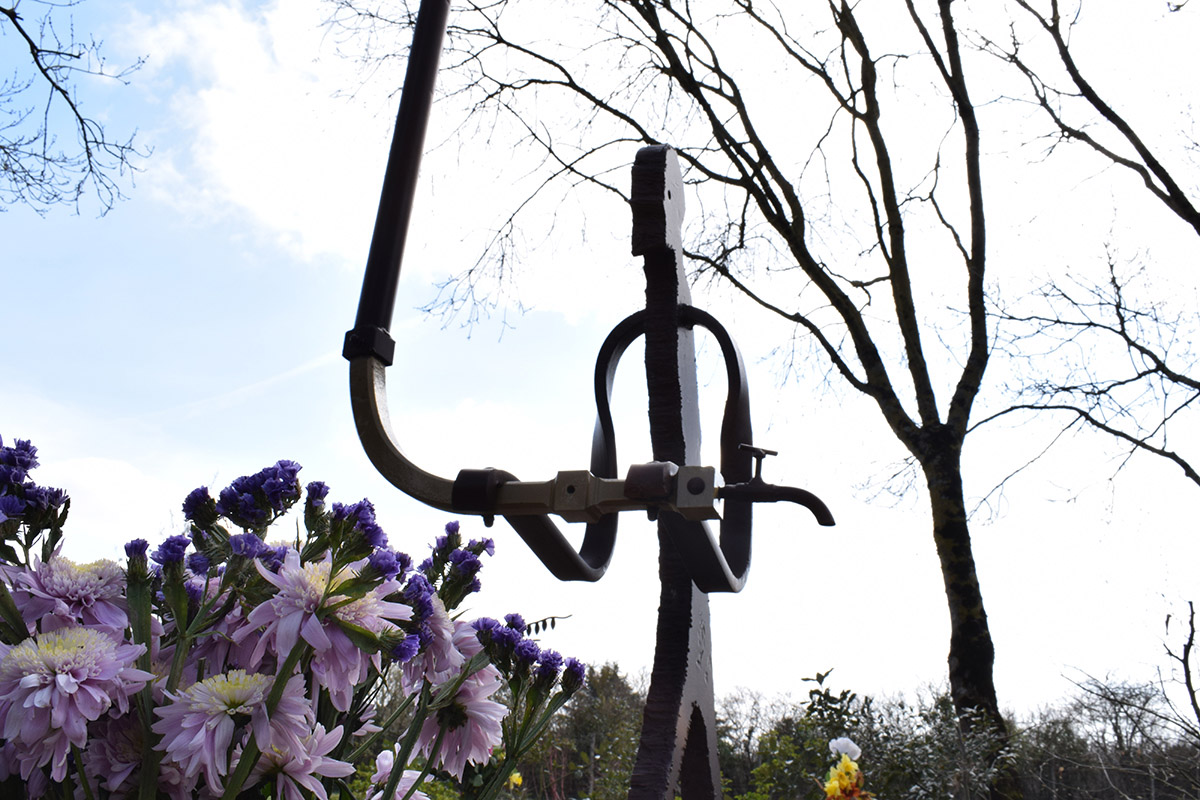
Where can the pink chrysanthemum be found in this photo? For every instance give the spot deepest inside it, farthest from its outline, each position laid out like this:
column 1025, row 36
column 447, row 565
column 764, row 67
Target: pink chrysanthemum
column 472, row 724
column 198, row 726
column 54, row 684
column 294, row 613
column 383, row 773
column 113, row 754
column 60, row 593
column 295, row 768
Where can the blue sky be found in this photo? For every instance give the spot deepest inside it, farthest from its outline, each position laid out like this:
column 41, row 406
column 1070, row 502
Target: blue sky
column 193, row 335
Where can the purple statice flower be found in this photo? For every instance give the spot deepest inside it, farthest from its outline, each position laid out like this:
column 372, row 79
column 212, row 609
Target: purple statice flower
column 549, row 663
column 295, row 769
column 373, row 535
column 53, row 684
column 246, row 545
column 472, row 721
column 574, row 676
column 485, row 545
column 171, row 550
column 252, row 500
column 242, row 508
column 361, row 512
column 200, row 508
column 385, row 563
column 11, row 476
column 272, row 556
column 504, row 642
column 439, row 660
column 293, row 614
column 195, row 595
column 16, row 462
column 11, row 507
column 406, row 648
column 197, row 725
column 485, row 626
column 464, row 563
column 452, row 528
column 500, row 641
column 136, row 548
column 198, row 563
column 526, row 652
column 418, row 593
column 515, row 621
column 460, row 579
column 316, row 492
column 60, row 593
column 42, row 498
column 22, row 455
column 362, row 516
column 384, row 762
column 280, row 485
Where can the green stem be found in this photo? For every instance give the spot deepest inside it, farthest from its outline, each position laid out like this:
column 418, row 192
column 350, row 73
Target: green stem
column 398, row 766
column 83, row 781
column 414, row 730
column 357, row 752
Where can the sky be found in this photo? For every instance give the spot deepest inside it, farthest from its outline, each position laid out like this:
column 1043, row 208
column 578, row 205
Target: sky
column 193, row 334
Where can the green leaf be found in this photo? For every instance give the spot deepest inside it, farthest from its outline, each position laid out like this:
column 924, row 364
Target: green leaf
column 362, row 638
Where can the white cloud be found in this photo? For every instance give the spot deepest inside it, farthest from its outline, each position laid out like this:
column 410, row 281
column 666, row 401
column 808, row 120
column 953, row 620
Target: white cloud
column 256, row 130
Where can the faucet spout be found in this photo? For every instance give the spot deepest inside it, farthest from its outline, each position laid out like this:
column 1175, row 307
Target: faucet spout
column 759, row 491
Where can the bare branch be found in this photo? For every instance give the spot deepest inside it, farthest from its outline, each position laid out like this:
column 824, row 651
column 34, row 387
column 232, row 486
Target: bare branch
column 34, row 169
column 1145, row 163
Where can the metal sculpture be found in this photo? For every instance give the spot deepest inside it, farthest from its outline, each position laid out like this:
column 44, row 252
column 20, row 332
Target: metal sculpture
column 677, row 750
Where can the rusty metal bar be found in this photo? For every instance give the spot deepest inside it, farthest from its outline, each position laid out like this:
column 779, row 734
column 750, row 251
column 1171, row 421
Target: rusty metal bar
column 677, row 752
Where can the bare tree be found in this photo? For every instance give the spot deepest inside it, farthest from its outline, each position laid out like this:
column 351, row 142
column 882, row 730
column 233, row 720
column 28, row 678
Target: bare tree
column 51, row 152
column 1149, row 384
column 1185, row 721
column 837, row 152
column 1080, row 114
column 1140, row 392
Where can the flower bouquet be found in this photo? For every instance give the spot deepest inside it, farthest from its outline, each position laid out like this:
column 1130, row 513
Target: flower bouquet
column 845, row 779
column 218, row 665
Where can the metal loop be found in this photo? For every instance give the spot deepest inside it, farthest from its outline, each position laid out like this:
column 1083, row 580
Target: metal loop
column 715, row 565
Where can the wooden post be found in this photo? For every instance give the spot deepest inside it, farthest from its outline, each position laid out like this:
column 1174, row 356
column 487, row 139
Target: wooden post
column 678, row 747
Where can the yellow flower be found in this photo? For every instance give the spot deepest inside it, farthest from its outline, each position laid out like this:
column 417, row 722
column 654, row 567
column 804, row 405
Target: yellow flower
column 843, row 778
column 514, row 781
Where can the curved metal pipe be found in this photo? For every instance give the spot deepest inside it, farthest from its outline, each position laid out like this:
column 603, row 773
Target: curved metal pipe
column 378, row 297
column 368, row 400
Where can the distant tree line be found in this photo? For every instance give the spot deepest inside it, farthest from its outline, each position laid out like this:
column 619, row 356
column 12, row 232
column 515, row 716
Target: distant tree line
column 1111, row 740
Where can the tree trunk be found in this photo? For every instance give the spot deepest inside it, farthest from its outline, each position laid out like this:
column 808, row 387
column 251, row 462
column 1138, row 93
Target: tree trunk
column 972, row 654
